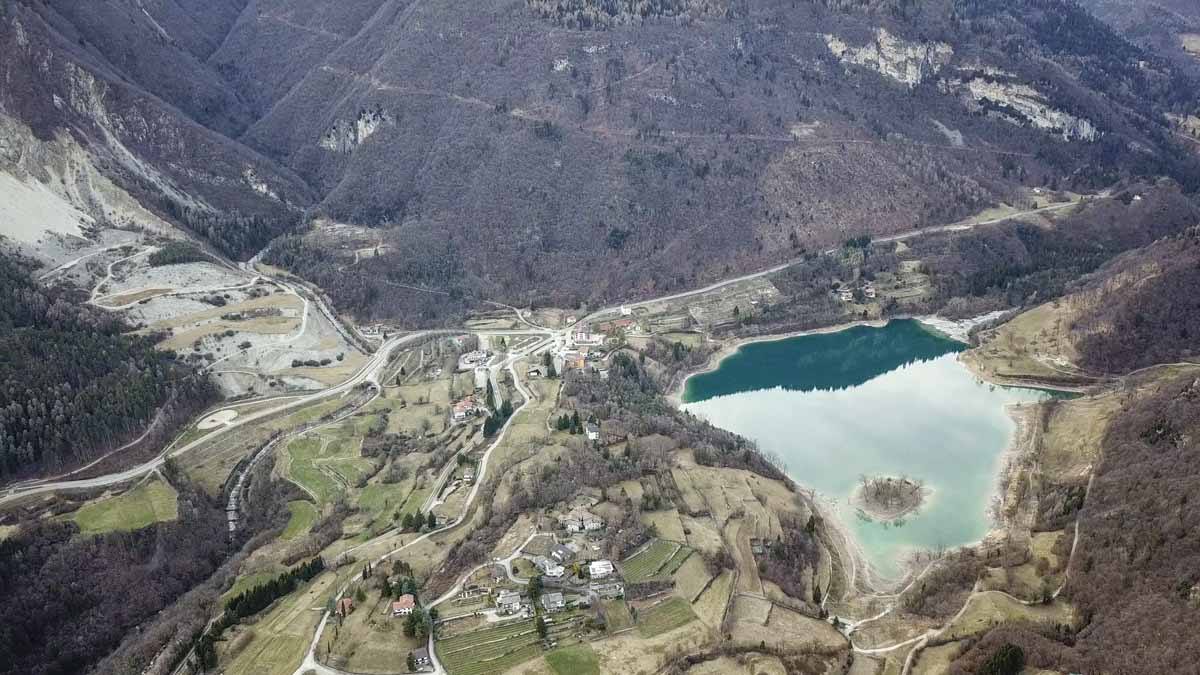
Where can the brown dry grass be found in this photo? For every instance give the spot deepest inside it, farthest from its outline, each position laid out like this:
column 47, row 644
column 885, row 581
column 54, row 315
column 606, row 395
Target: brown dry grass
column 987, row 609
column 1071, row 443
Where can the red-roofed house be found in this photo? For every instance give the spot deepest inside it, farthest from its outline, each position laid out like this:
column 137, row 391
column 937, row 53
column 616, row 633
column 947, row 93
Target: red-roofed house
column 404, row 605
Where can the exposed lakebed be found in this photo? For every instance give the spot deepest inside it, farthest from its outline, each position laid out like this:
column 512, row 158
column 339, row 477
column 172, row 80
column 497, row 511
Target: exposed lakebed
column 870, row 401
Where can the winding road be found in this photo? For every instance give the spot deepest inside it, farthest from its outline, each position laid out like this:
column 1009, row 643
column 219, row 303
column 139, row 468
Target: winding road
column 367, row 374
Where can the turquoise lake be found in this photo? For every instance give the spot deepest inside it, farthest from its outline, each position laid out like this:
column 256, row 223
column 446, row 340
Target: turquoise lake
column 891, row 400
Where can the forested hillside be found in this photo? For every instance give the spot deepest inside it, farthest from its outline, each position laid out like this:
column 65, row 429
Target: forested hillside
column 1134, row 574
column 79, row 597
column 72, row 384
column 589, row 151
column 1155, row 319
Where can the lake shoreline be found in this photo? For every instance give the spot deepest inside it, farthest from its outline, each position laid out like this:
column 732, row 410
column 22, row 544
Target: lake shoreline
column 864, row 578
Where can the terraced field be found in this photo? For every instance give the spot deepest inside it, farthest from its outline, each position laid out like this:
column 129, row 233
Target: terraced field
column 491, row 650
column 495, row 650
column 660, row 558
column 665, row 616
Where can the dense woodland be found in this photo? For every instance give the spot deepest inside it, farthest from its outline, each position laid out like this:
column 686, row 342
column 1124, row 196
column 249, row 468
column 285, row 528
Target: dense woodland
column 1157, row 320
column 76, row 598
column 385, row 287
column 72, row 384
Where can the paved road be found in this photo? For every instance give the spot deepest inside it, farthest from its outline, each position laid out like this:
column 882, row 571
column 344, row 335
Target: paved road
column 910, row 234
column 368, row 374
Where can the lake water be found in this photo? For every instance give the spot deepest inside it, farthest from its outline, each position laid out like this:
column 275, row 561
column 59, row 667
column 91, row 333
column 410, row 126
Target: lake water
column 891, row 400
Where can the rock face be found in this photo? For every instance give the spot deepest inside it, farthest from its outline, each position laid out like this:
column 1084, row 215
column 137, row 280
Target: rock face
column 906, row 62
column 345, row 136
column 982, row 88
column 1020, row 104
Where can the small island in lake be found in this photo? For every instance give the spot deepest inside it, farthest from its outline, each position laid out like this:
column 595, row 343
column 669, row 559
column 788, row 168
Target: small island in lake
column 888, row 498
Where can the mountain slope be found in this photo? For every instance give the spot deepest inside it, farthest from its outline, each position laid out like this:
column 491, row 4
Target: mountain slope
column 587, row 151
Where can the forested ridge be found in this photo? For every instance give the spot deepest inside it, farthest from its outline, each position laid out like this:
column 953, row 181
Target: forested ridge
column 73, row 385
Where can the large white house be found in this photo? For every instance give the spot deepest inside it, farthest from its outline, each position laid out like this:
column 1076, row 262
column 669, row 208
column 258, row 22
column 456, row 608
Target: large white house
column 598, row 569
column 551, row 568
column 508, row 602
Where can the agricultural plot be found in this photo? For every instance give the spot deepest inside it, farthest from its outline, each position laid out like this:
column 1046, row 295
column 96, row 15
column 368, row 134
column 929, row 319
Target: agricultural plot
column 675, row 561
column 146, row 504
column 665, row 616
column 576, row 660
column 660, row 557
column 369, row 640
column 710, row 605
column 616, row 615
column 327, row 464
column 491, row 650
column 248, row 581
column 495, row 650
column 691, row 578
column 304, row 514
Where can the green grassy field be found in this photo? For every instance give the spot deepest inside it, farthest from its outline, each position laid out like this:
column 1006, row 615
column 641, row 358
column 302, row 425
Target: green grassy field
column 245, row 583
column 650, row 562
column 303, row 472
column 576, row 660
column 616, row 612
column 676, row 561
column 149, row 503
column 304, row 514
column 664, row 617
column 324, row 465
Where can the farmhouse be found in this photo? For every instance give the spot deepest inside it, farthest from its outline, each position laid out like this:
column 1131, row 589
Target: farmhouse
column 464, row 410
column 553, row 602
column 600, row 569
column 404, row 605
column 508, row 602
column 592, row 430
column 420, row 657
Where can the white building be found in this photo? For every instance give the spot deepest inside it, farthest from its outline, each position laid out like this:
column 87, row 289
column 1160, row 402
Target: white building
column 599, row 569
column 551, row 568
column 553, row 602
column 481, row 377
column 508, row 602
